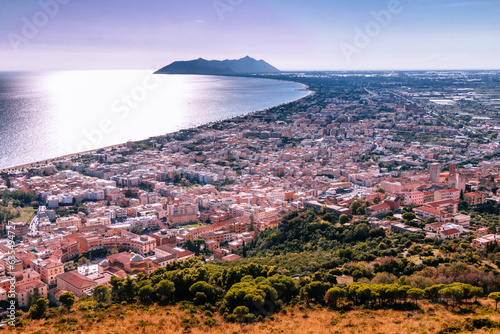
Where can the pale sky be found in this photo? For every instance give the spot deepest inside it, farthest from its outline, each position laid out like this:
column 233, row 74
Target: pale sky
column 289, row 34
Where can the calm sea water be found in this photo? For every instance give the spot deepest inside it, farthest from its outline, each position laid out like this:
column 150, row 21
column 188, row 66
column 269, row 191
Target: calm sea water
column 46, row 115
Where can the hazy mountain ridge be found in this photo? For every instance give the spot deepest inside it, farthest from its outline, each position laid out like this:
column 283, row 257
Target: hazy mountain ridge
column 218, row 67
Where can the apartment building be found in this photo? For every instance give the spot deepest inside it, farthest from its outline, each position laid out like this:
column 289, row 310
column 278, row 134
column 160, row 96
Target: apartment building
column 476, row 198
column 182, row 213
column 414, row 198
column 25, row 290
column 99, row 221
column 443, row 194
column 426, row 212
column 68, row 221
column 428, row 196
column 486, row 240
column 49, row 269
column 142, row 244
column 447, row 205
column 378, row 209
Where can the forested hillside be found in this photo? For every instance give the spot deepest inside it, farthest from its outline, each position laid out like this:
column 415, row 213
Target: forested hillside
column 309, row 261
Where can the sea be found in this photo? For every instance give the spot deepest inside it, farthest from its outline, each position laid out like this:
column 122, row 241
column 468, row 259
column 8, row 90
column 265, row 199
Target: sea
column 45, row 115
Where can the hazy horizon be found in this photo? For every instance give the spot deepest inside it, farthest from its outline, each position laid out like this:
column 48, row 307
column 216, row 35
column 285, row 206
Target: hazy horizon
column 41, row 35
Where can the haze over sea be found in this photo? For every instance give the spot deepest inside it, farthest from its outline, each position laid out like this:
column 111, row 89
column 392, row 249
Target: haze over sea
column 50, row 114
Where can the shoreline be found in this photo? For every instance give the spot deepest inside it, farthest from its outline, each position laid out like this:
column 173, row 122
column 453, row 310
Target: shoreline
column 18, row 168
column 46, row 161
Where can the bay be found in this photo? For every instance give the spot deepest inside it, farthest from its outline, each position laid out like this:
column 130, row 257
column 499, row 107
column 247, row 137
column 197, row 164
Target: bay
column 50, row 114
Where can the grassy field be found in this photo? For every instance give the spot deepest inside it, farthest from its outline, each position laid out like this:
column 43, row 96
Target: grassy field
column 345, row 279
column 193, row 225
column 26, row 214
column 431, row 318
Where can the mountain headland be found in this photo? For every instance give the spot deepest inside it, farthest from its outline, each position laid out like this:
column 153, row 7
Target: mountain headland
column 202, row 66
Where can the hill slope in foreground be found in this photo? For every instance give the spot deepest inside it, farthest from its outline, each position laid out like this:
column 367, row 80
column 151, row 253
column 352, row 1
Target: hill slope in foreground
column 202, row 66
column 427, row 318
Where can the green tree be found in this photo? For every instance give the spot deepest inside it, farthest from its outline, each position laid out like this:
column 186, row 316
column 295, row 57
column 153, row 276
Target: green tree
column 329, row 217
column 241, row 312
column 250, row 293
column 32, row 298
column 67, row 299
column 354, row 206
column 37, row 311
column 136, row 230
column 391, row 292
column 415, row 294
column 432, row 292
column 100, row 294
column 197, row 243
column 7, row 214
column 123, row 289
column 146, row 294
column 466, row 291
column 454, row 292
column 476, row 292
column 364, row 294
column 285, row 286
column 129, row 289
column 164, row 290
column 496, row 297
column 333, row 295
column 408, row 216
column 202, row 293
column 190, row 246
column 403, row 292
column 343, row 219
column 251, row 227
column 430, row 220
column 117, row 288
column 315, row 290
column 360, row 211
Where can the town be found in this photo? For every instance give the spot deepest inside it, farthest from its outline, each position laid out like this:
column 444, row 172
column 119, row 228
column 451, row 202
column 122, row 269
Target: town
column 387, row 148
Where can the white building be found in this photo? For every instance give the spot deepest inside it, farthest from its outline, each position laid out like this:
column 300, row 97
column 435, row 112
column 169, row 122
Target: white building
column 52, row 201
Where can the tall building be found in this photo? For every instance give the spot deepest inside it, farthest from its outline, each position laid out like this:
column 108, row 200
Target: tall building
column 457, row 181
column 452, row 178
column 453, row 169
column 434, row 170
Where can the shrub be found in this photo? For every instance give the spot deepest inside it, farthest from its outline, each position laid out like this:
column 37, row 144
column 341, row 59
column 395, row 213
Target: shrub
column 485, row 322
column 249, row 318
column 188, row 323
column 210, row 322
